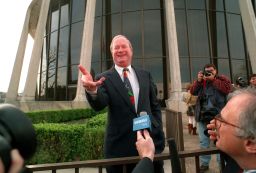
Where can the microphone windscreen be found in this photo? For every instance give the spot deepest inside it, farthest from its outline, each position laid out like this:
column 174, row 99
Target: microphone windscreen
column 20, row 129
column 143, row 113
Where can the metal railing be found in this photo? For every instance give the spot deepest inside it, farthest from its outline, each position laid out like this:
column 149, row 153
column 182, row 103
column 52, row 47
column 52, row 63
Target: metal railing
column 174, row 130
column 100, row 164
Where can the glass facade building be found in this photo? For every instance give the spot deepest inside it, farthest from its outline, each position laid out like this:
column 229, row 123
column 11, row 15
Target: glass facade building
column 208, row 31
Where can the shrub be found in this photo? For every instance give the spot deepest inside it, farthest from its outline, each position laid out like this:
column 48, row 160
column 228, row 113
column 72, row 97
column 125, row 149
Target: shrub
column 69, row 142
column 57, row 116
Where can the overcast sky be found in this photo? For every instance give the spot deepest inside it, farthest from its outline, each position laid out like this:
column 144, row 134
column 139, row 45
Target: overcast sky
column 12, row 16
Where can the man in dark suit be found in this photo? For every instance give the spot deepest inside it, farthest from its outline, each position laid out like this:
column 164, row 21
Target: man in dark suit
column 124, row 103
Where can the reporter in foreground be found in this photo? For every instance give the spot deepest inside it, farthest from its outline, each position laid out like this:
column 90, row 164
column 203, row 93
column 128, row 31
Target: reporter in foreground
column 16, row 165
column 146, row 150
column 234, row 130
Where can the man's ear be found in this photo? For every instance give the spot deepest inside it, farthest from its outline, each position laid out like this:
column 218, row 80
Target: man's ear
column 250, row 146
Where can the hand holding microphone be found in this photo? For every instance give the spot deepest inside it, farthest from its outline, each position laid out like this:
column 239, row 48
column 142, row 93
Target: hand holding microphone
column 145, row 145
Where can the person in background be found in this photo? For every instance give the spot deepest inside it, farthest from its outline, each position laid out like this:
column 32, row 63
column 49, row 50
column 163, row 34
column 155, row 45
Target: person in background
column 253, row 81
column 211, row 90
column 234, row 129
column 146, row 150
column 126, row 91
column 240, row 83
column 190, row 100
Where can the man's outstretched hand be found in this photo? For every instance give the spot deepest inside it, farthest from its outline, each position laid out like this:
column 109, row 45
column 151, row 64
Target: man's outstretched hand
column 87, row 80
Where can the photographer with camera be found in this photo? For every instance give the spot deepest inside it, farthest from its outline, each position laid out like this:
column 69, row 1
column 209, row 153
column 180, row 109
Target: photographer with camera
column 16, row 163
column 211, row 90
column 240, row 83
column 17, row 139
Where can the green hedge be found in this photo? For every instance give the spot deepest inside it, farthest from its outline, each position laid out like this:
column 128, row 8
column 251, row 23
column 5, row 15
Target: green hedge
column 97, row 121
column 57, row 116
column 69, row 142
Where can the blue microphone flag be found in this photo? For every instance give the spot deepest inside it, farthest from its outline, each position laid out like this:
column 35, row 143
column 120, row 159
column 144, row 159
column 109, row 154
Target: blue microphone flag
column 142, row 122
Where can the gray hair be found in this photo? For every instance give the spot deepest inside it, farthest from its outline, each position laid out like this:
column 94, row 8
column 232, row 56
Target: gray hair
column 118, row 36
column 247, row 117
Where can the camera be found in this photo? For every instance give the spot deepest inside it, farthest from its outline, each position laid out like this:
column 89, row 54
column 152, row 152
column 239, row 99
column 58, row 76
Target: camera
column 241, row 82
column 16, row 132
column 207, row 73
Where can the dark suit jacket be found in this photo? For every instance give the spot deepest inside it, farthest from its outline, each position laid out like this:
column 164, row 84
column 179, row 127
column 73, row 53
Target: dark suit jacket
column 144, row 166
column 119, row 138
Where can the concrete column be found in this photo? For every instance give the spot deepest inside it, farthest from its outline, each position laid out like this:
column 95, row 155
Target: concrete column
column 174, row 101
column 31, row 81
column 86, row 48
column 12, row 92
column 249, row 24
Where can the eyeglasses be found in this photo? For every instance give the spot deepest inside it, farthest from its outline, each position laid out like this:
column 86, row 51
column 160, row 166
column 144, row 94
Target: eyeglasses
column 221, row 120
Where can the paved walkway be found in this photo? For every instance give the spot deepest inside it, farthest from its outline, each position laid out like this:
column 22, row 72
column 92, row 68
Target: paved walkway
column 191, row 142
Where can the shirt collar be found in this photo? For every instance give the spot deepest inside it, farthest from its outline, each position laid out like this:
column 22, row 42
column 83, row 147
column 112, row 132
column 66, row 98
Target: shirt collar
column 120, row 69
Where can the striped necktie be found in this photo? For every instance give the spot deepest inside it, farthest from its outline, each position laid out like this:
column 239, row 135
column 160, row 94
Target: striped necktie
column 128, row 86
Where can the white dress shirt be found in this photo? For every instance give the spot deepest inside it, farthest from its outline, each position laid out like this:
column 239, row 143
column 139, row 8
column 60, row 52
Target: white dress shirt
column 133, row 80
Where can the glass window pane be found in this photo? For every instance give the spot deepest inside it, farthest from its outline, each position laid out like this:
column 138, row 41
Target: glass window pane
column 198, row 64
column 64, row 19
column 78, row 10
column 155, row 65
column 131, row 5
column 235, row 33
column 196, row 4
column 223, row 67
column 63, row 46
column 215, row 5
column 98, row 8
column 198, row 36
column 133, row 20
column 73, row 74
column 61, row 84
column 53, row 51
column 218, row 33
column 156, row 68
column 181, row 32
column 151, row 4
column 43, row 72
column 184, row 70
column 55, row 20
column 115, row 6
column 96, row 45
column 138, row 62
column 71, row 92
column 76, row 41
column 43, row 85
column 152, row 34
column 115, row 24
column 179, row 4
column 238, row 69
column 232, row 6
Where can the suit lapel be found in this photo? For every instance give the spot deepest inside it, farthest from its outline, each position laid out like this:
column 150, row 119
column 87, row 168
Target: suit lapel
column 119, row 86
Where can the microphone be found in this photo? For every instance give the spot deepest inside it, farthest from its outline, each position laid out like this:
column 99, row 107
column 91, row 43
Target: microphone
column 142, row 122
column 16, row 132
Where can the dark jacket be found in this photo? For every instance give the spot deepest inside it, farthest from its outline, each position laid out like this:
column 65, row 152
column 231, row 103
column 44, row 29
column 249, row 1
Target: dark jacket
column 215, row 90
column 144, row 166
column 119, row 138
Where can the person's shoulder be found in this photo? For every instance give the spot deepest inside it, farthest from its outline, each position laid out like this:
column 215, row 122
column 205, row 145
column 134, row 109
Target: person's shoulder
column 223, row 77
column 140, row 70
column 106, row 73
